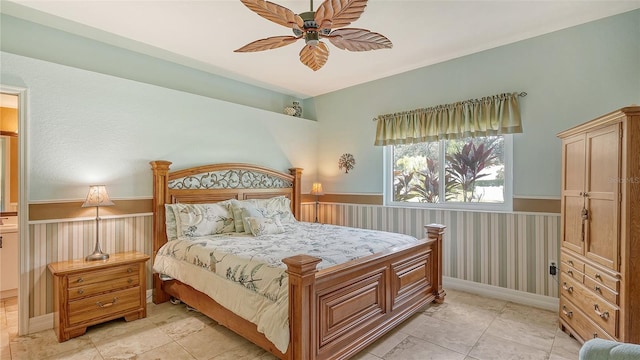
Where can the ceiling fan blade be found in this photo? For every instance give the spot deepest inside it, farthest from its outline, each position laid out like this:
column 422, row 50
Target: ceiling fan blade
column 353, row 39
column 274, row 12
column 314, row 56
column 333, row 14
column 268, row 43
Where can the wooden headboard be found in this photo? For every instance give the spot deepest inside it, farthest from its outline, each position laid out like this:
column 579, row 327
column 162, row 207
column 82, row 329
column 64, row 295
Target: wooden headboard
column 217, row 182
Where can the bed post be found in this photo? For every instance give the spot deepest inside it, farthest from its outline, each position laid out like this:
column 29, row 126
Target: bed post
column 302, row 306
column 436, row 231
column 160, row 170
column 297, row 191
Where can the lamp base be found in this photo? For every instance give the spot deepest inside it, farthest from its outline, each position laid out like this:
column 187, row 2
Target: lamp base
column 97, row 256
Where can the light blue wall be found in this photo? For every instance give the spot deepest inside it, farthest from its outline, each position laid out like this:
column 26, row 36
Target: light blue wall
column 33, row 40
column 85, row 128
column 571, row 76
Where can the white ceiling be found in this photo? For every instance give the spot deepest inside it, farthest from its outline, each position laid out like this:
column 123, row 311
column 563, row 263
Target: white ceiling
column 204, row 33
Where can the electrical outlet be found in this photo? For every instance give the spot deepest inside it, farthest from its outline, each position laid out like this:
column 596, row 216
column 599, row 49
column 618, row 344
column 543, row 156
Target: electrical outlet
column 553, row 269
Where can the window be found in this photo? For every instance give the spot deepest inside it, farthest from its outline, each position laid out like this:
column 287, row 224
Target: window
column 472, row 173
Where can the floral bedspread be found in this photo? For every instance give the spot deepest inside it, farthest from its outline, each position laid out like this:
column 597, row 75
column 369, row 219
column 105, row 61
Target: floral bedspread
column 254, row 265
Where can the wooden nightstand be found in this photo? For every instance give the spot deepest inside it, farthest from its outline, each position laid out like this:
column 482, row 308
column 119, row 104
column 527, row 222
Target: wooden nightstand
column 91, row 292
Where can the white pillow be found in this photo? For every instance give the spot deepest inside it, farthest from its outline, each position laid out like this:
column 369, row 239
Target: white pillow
column 265, row 226
column 276, row 206
column 170, row 222
column 193, row 220
column 279, row 205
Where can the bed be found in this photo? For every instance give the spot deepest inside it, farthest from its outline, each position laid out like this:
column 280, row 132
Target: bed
column 333, row 312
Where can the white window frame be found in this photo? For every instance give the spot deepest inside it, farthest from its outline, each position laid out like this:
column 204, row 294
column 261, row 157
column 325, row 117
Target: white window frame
column 506, row 206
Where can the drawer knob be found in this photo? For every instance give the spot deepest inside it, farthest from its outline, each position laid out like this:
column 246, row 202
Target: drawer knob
column 129, row 270
column 100, row 304
column 130, row 280
column 597, row 276
column 604, row 315
column 597, row 288
column 595, row 335
column 80, row 280
column 571, row 262
column 566, row 313
column 80, row 291
column 570, row 272
column 569, row 289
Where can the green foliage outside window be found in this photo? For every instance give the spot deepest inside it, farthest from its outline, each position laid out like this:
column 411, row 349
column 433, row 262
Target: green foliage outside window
column 473, row 171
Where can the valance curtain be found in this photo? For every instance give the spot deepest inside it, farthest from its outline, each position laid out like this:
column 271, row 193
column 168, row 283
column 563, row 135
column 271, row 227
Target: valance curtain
column 491, row 115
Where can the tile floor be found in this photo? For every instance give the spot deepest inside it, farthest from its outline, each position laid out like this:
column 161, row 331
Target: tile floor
column 465, row 327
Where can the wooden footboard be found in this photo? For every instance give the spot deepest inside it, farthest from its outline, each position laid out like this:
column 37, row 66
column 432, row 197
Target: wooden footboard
column 336, row 312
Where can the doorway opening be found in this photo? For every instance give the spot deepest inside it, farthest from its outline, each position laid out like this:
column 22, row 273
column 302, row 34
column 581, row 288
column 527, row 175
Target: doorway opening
column 13, row 210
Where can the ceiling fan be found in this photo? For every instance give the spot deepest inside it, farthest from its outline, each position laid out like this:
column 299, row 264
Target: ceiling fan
column 315, row 25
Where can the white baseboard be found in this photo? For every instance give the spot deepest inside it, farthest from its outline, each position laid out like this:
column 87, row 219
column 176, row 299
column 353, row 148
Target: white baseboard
column 40, row 323
column 496, row 292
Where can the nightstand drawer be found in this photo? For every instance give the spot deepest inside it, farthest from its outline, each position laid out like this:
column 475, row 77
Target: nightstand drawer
column 102, row 275
column 97, row 288
column 105, row 305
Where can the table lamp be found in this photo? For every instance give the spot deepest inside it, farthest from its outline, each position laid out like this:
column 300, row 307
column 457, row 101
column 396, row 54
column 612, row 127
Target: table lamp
column 97, row 197
column 316, row 190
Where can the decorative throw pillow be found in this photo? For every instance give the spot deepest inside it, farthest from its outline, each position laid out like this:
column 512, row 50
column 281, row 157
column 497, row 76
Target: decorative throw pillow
column 265, row 226
column 236, row 208
column 247, row 212
column 194, row 220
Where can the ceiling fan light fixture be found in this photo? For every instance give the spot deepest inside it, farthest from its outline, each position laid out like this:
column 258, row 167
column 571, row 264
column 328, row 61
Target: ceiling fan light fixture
column 311, row 38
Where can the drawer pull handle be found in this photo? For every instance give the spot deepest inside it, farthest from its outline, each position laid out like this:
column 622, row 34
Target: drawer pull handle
column 595, row 335
column 567, row 288
column 130, row 280
column 597, row 276
column 604, row 315
column 100, row 304
column 570, row 272
column 571, row 262
column 80, row 280
column 566, row 313
column 80, row 291
column 597, row 288
column 129, row 270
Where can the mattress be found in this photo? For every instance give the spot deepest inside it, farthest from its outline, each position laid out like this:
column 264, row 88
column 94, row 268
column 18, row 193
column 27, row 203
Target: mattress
column 245, row 273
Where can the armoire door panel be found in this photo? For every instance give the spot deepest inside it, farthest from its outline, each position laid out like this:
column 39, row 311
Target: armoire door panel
column 574, row 163
column 602, row 235
column 572, row 223
column 603, row 174
column 604, row 160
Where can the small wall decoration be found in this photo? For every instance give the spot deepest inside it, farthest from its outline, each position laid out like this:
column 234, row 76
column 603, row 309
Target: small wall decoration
column 346, row 162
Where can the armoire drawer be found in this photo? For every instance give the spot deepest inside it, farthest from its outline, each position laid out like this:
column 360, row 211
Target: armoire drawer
column 601, row 290
column 603, row 313
column 602, row 278
column 579, row 322
column 571, row 263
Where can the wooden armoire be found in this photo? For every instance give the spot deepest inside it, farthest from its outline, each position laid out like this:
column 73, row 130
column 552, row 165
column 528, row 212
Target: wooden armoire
column 600, row 228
